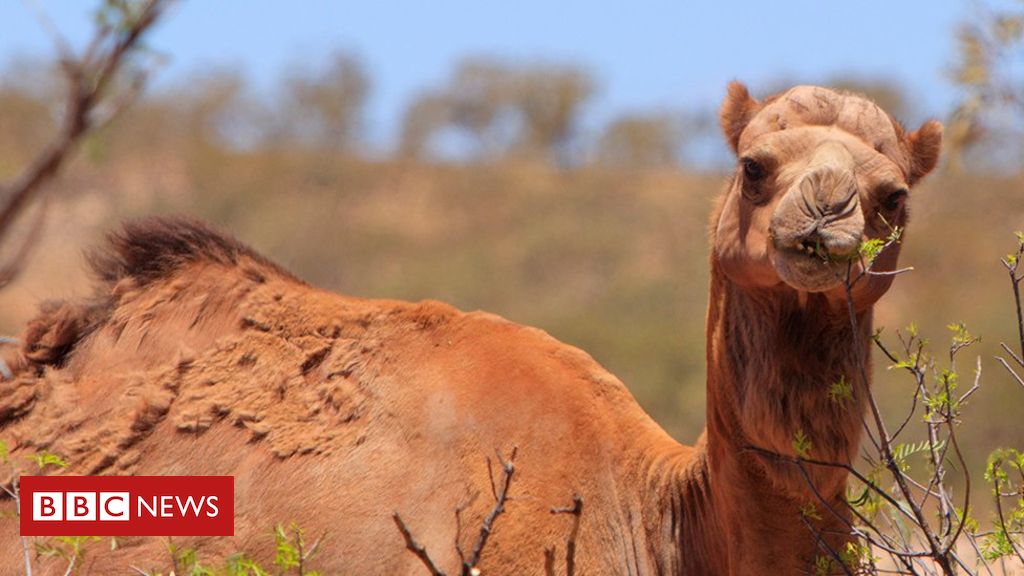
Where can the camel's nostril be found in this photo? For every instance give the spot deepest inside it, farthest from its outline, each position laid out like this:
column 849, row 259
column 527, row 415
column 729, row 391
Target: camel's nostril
column 812, row 247
column 812, row 242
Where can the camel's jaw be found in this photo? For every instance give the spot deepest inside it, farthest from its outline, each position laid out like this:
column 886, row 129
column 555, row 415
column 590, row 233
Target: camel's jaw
column 809, row 272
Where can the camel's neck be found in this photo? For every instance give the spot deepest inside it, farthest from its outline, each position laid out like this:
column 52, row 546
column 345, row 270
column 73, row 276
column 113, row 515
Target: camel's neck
column 786, row 375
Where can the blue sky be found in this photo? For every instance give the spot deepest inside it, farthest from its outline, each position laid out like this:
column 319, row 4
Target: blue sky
column 645, row 53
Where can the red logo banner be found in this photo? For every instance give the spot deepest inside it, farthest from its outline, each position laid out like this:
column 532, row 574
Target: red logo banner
column 127, row 505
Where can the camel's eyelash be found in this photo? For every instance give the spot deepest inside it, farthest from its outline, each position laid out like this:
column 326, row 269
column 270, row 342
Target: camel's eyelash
column 891, row 199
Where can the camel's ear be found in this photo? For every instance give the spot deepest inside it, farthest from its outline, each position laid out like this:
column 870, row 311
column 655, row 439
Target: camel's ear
column 923, row 147
column 736, row 111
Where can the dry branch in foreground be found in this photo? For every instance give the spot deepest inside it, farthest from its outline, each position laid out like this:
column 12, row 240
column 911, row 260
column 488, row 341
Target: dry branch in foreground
column 469, row 565
column 99, row 88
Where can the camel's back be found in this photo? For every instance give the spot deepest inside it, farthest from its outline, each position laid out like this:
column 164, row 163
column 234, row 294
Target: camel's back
column 337, row 413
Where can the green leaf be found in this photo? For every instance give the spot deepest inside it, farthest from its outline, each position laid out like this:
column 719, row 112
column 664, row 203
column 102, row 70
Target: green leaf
column 810, row 511
column 970, row 524
column 840, row 392
column 242, row 565
column 44, row 459
column 994, row 468
column 802, row 444
column 823, row 565
column 960, row 334
column 287, row 555
column 909, row 363
column 855, row 554
column 901, row 452
column 996, row 545
column 870, row 249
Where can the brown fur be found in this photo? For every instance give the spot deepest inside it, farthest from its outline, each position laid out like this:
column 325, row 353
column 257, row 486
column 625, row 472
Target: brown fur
column 198, row 356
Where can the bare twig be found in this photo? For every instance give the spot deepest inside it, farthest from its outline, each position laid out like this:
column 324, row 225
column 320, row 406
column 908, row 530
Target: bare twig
column 500, row 497
column 833, row 554
column 88, row 79
column 1016, row 358
column 415, row 547
column 918, row 378
column 570, row 545
column 853, row 471
column 890, row 272
column 576, row 508
column 500, row 491
column 71, row 565
column 1010, row 369
column 1002, row 520
column 16, row 495
column 1015, row 280
column 311, row 551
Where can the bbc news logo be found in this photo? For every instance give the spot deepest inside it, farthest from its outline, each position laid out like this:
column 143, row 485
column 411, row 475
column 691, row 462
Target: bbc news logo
column 127, row 506
column 60, row 506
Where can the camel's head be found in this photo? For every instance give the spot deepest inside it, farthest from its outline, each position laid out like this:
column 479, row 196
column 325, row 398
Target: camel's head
column 818, row 172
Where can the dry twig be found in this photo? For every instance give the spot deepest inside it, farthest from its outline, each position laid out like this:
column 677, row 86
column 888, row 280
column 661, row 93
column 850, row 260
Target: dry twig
column 90, row 102
column 500, row 491
column 576, row 510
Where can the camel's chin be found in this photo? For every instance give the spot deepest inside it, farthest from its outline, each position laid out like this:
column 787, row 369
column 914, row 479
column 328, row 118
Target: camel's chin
column 808, row 273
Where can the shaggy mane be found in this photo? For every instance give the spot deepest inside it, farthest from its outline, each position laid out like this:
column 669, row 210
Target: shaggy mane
column 155, row 248
column 144, row 252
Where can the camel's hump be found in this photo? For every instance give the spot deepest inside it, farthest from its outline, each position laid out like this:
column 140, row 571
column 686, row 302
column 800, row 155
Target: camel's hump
column 153, row 248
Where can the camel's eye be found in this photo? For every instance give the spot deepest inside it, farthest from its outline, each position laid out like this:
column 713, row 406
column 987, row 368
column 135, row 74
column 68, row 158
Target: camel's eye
column 754, row 174
column 753, row 170
column 893, row 200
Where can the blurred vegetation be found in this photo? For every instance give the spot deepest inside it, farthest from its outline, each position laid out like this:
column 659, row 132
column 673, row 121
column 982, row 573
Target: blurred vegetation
column 598, row 237
column 985, row 129
column 504, row 110
column 650, row 140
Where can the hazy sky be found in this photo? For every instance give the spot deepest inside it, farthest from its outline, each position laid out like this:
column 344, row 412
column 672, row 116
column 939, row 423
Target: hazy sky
column 644, row 53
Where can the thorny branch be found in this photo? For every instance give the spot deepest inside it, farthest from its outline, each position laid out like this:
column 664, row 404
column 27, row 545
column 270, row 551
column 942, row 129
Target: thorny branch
column 939, row 551
column 908, row 512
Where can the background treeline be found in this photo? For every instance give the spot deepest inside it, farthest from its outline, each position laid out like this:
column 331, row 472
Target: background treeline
column 487, row 111
column 497, row 192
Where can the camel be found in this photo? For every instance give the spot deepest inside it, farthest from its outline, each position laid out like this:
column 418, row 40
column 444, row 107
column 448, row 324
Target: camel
column 419, row 438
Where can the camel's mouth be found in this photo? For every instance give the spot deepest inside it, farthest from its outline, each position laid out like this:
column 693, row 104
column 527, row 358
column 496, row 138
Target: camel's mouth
column 808, row 270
